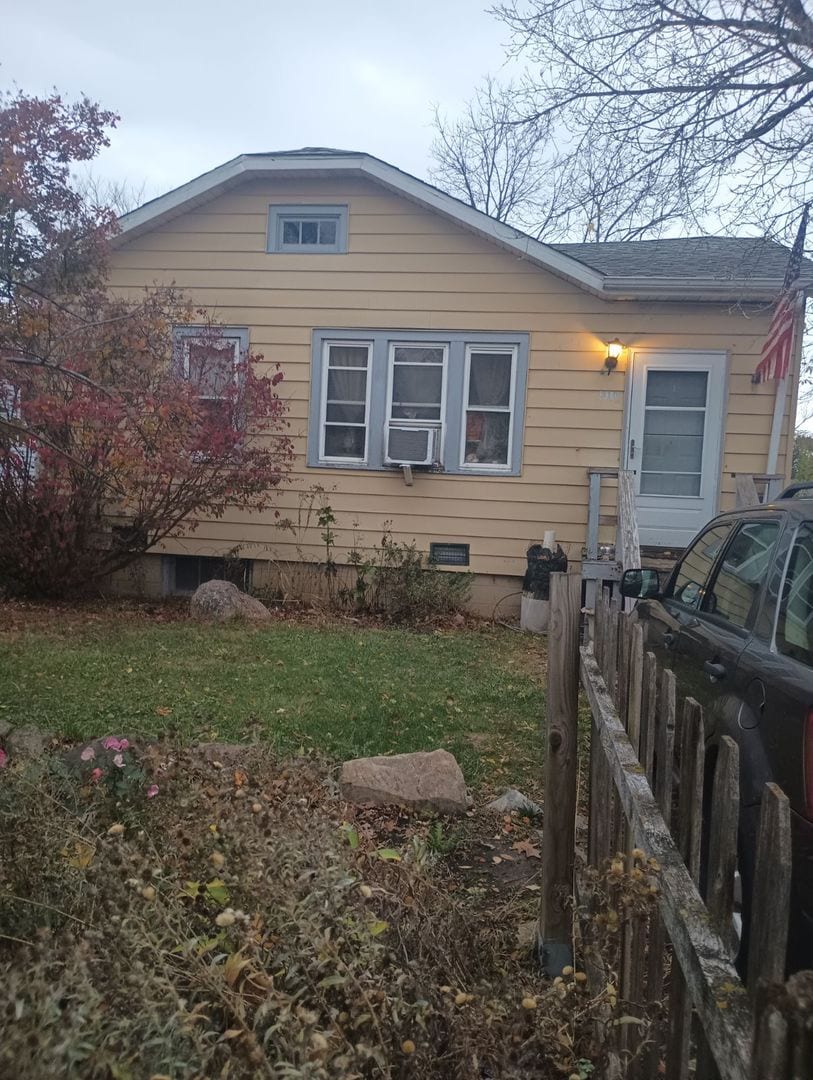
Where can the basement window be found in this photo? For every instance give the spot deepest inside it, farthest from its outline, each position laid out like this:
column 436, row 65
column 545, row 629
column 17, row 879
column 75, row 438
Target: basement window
column 449, row 554
column 184, row 573
column 317, row 230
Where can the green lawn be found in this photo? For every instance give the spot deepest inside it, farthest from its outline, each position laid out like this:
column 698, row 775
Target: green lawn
column 343, row 691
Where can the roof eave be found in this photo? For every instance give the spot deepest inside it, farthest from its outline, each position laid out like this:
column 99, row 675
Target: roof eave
column 607, row 286
column 747, row 290
column 205, row 187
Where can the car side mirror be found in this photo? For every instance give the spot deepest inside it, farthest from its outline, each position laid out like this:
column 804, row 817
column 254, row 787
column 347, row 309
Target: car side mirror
column 640, row 584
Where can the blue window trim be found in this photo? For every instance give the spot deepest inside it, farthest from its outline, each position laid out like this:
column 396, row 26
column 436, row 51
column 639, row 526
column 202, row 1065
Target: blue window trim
column 277, row 211
column 453, row 420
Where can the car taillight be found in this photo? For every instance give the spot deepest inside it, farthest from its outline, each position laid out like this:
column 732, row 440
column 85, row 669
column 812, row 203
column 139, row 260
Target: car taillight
column 808, row 765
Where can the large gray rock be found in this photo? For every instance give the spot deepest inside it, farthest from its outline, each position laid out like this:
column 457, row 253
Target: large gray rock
column 421, row 781
column 27, row 742
column 220, row 601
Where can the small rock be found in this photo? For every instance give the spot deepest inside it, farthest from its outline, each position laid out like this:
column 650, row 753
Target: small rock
column 526, row 934
column 511, row 799
column 27, row 742
column 220, row 601
column 420, row 781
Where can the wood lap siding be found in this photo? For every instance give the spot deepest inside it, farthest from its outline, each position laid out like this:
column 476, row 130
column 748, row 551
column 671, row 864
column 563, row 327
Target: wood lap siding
column 409, row 269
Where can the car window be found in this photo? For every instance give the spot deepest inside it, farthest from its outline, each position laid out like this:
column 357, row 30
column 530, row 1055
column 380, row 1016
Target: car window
column 742, row 572
column 692, row 575
column 794, row 631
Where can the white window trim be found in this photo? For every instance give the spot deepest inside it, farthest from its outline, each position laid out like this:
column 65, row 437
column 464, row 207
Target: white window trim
column 326, row 347
column 479, row 466
column 444, row 366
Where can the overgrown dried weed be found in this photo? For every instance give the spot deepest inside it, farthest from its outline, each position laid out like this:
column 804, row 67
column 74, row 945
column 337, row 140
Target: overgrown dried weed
column 235, row 928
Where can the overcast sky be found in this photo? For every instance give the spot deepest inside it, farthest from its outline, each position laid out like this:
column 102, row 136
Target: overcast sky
column 197, row 83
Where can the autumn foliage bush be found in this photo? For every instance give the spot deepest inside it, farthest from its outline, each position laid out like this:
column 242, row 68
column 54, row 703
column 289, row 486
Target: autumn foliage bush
column 112, row 437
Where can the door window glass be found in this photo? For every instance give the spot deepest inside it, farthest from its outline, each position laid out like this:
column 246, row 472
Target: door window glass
column 674, row 429
column 742, row 572
column 794, row 632
column 690, row 580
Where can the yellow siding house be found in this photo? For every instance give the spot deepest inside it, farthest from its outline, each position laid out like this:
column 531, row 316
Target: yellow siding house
column 414, row 330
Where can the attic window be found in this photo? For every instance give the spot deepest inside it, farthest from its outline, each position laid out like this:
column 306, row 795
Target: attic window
column 305, row 229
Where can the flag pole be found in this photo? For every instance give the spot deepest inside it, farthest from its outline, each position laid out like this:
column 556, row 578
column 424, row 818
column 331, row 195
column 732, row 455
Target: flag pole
column 776, row 424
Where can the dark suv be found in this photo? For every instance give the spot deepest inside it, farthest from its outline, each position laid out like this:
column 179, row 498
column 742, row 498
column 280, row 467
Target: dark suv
column 735, row 623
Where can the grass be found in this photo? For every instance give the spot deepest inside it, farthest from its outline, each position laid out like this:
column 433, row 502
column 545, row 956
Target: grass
column 343, row 690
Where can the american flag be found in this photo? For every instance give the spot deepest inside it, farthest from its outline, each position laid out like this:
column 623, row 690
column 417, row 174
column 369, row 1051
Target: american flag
column 776, row 352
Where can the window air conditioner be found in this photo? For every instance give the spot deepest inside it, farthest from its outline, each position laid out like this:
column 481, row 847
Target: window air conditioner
column 412, row 445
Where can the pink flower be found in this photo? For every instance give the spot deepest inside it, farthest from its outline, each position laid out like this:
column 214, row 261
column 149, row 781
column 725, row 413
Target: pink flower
column 96, row 775
column 112, row 743
column 152, row 791
column 88, row 754
column 3, row 759
column 118, row 761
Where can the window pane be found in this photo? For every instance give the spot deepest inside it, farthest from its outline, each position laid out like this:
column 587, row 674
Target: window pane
column 346, row 385
column 347, row 442
column 211, row 367
column 187, row 573
column 417, row 354
column 487, row 437
column 327, row 232
column 290, row 232
column 794, row 634
column 743, row 570
column 310, row 232
column 672, row 453
column 677, row 422
column 490, row 379
column 676, row 388
column 657, row 483
column 348, row 356
column 416, row 392
column 695, row 567
column 345, row 413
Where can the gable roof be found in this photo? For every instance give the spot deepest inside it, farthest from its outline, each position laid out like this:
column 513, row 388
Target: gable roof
column 700, row 269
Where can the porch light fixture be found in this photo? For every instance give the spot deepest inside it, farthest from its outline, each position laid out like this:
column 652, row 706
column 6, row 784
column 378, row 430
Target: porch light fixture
column 614, row 350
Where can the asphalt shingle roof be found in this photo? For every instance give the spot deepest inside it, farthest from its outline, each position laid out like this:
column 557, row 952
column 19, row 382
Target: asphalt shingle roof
column 716, row 258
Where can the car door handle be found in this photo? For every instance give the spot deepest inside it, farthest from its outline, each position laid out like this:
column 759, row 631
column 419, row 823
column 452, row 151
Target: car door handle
column 669, row 640
column 714, row 670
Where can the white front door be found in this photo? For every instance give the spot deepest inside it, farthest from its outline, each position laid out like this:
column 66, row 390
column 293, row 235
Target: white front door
column 674, row 435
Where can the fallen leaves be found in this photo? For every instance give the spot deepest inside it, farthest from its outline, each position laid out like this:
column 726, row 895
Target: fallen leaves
column 525, row 847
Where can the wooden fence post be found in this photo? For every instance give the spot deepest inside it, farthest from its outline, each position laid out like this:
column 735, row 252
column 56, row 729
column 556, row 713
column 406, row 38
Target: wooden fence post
column 771, row 898
column 690, row 818
column 555, row 932
column 722, row 856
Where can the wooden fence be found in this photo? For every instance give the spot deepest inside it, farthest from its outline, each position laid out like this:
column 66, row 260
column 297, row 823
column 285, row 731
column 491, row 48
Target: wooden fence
column 646, row 789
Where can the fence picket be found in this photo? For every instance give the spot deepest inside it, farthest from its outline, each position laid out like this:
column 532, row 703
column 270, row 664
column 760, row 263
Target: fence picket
column 722, row 855
column 649, row 714
column 665, row 744
column 771, row 895
column 635, row 684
